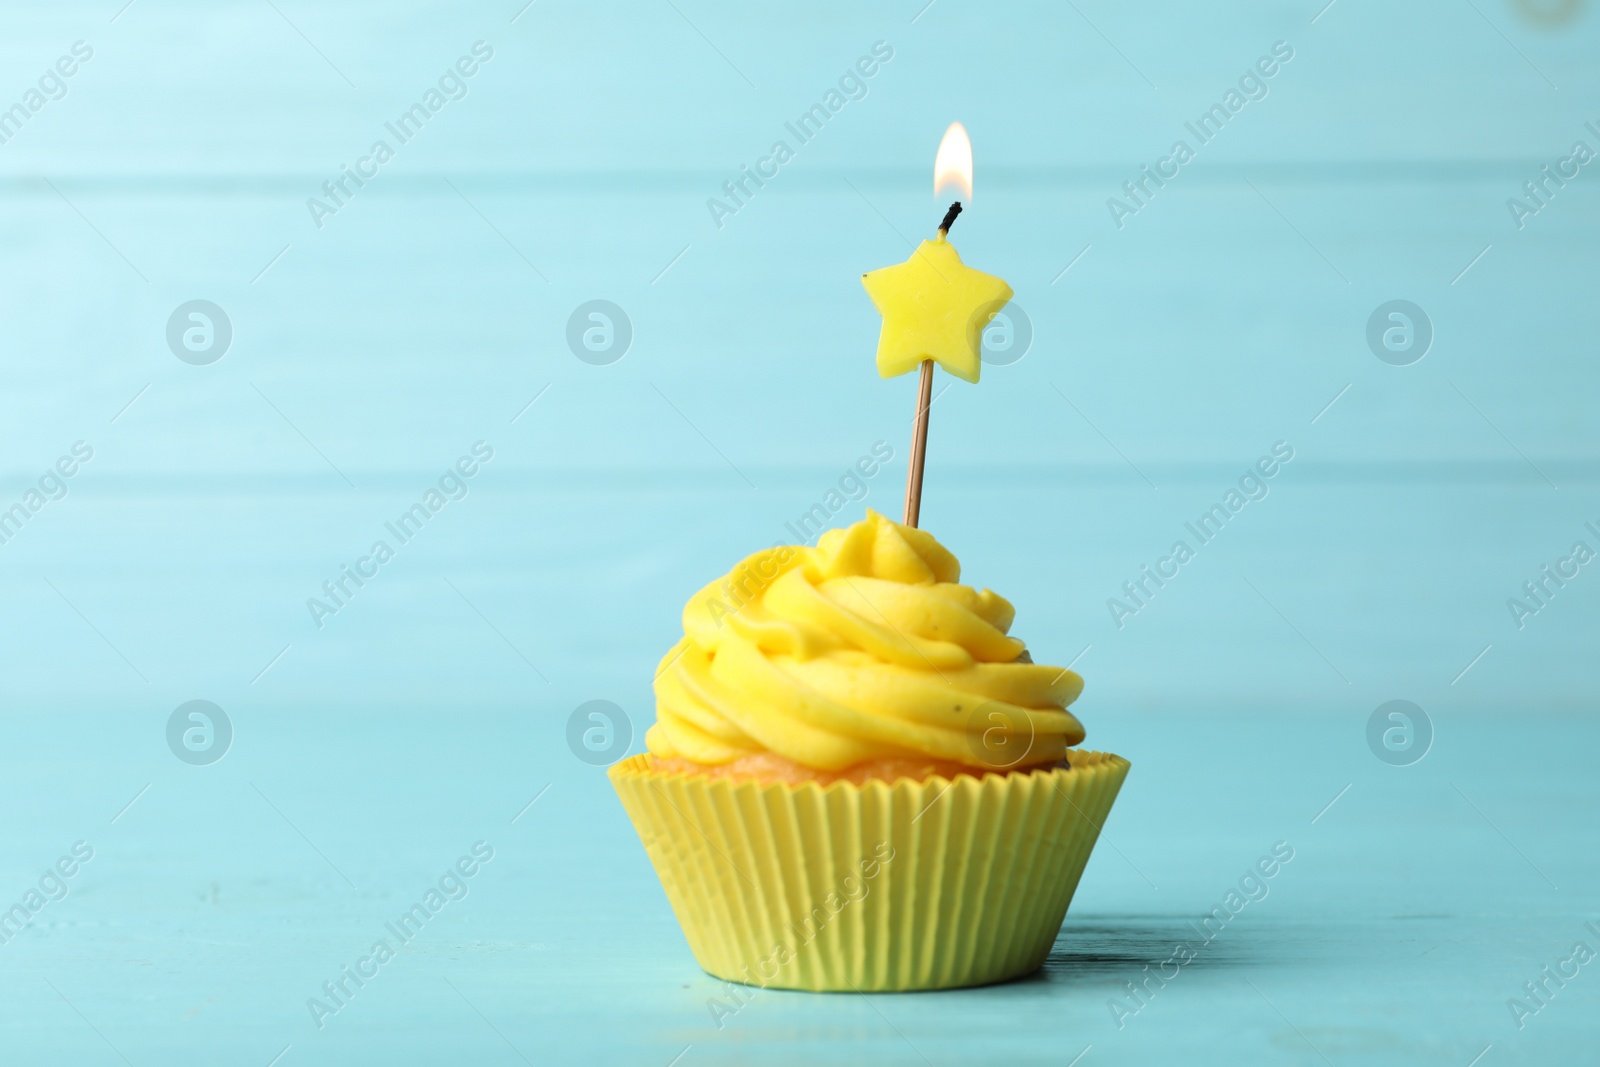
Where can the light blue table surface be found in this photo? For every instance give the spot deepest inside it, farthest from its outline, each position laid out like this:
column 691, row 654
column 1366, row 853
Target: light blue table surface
column 430, row 313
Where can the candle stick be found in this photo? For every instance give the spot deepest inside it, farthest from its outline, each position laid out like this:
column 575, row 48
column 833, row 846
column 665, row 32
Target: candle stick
column 919, row 425
column 919, row 445
column 934, row 310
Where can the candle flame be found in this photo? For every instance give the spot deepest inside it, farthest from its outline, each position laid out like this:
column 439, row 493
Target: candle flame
column 952, row 167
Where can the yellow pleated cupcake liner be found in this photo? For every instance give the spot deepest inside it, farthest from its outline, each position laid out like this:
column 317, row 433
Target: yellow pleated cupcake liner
column 915, row 885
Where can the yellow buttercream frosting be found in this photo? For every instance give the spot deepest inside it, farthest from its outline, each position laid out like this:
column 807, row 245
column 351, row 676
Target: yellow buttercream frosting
column 863, row 647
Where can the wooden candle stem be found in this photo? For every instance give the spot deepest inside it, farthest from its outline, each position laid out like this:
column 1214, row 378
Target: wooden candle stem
column 919, row 445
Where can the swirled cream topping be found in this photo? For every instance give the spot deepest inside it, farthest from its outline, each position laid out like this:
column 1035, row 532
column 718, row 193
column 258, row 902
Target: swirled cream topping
column 864, row 647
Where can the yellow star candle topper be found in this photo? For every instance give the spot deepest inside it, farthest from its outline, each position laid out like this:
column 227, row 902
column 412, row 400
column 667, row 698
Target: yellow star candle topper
column 934, row 309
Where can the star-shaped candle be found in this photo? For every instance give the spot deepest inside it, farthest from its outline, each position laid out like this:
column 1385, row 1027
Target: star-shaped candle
column 934, row 308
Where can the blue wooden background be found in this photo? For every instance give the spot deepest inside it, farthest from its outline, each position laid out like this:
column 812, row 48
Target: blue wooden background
column 368, row 354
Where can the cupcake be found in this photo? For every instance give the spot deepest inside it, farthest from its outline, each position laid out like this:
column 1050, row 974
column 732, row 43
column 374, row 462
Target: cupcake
column 857, row 780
